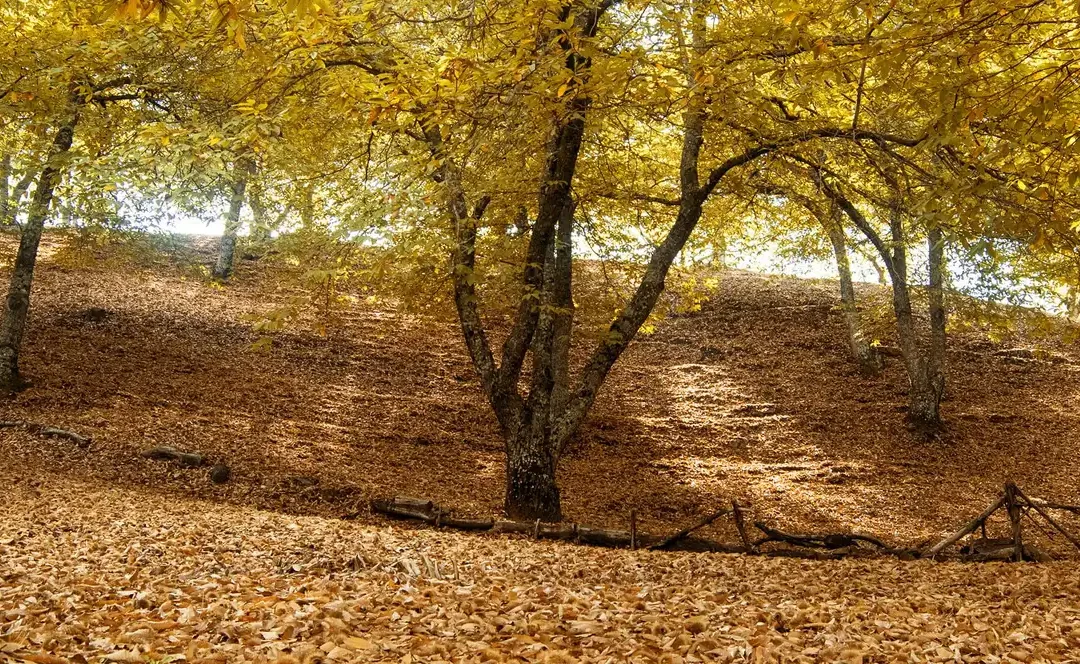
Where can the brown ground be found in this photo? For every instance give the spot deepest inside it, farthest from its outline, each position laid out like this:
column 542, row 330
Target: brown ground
column 104, row 553
column 390, row 406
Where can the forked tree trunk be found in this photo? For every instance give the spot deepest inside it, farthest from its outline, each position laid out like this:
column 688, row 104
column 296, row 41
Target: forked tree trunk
column 17, row 305
column 868, row 359
column 925, row 368
column 223, row 269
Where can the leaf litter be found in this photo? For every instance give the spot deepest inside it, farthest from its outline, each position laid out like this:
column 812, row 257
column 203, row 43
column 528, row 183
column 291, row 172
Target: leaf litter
column 105, row 556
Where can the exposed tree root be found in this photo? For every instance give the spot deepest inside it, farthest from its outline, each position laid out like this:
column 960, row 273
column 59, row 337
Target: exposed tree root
column 44, row 430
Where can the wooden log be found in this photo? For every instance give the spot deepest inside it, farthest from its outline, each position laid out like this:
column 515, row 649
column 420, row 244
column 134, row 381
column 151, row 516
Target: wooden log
column 1046, row 516
column 603, row 537
column 389, row 507
column 554, row 531
column 668, row 541
column 1013, row 508
column 827, row 541
column 81, row 441
column 967, row 528
column 633, row 529
column 740, row 525
column 461, row 523
column 415, row 504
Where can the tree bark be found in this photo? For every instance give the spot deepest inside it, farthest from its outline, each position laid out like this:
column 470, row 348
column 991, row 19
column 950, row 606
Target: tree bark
column 5, row 177
column 531, row 489
column 926, row 378
column 227, row 252
column 868, row 359
column 17, row 304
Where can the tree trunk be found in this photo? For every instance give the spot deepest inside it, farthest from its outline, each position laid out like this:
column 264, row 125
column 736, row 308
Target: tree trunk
column 531, row 490
column 869, row 360
column 928, row 381
column 562, row 301
column 926, row 378
column 5, row 177
column 22, row 276
column 226, row 254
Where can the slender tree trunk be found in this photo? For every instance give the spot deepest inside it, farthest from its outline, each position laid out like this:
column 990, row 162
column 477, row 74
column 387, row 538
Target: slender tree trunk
column 928, row 381
column 260, row 223
column 226, row 254
column 17, row 304
column 5, row 184
column 869, row 360
column 15, row 198
column 926, row 378
column 562, row 302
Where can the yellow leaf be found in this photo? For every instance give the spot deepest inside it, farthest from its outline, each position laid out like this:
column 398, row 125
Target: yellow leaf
column 357, row 643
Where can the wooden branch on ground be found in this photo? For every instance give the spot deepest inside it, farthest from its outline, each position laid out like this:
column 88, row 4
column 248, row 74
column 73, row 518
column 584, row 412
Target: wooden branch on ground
column 79, row 440
column 828, row 541
column 44, row 430
column 1046, row 516
column 967, row 528
column 668, row 541
column 166, row 453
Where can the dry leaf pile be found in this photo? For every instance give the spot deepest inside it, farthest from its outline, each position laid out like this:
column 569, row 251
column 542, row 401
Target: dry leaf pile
column 95, row 574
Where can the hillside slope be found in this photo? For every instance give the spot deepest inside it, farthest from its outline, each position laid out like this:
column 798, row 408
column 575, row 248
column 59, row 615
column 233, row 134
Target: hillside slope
column 750, row 398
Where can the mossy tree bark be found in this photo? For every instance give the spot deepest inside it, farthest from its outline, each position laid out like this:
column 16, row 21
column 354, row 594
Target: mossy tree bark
column 17, row 303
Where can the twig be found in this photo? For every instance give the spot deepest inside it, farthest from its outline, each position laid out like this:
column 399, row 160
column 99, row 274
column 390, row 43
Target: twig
column 81, row 441
column 43, row 430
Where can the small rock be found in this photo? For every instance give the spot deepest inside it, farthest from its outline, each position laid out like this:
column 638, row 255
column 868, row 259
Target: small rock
column 220, row 474
column 95, row 315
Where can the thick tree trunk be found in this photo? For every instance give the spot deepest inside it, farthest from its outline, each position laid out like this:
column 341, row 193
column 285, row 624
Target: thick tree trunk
column 22, row 276
column 531, row 489
column 868, row 359
column 562, row 301
column 226, row 254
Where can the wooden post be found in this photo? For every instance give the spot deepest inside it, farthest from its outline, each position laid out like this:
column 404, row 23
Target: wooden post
column 1013, row 508
column 1046, row 516
column 740, row 525
column 633, row 529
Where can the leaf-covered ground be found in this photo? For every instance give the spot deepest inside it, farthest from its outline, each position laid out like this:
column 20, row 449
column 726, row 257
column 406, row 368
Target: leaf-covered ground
column 124, row 575
column 107, row 554
column 752, row 398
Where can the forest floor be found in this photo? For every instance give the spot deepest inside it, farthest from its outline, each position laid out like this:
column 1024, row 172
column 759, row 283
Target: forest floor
column 106, row 554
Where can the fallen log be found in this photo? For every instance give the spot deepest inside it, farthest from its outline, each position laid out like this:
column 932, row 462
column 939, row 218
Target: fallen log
column 828, row 541
column 167, row 453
